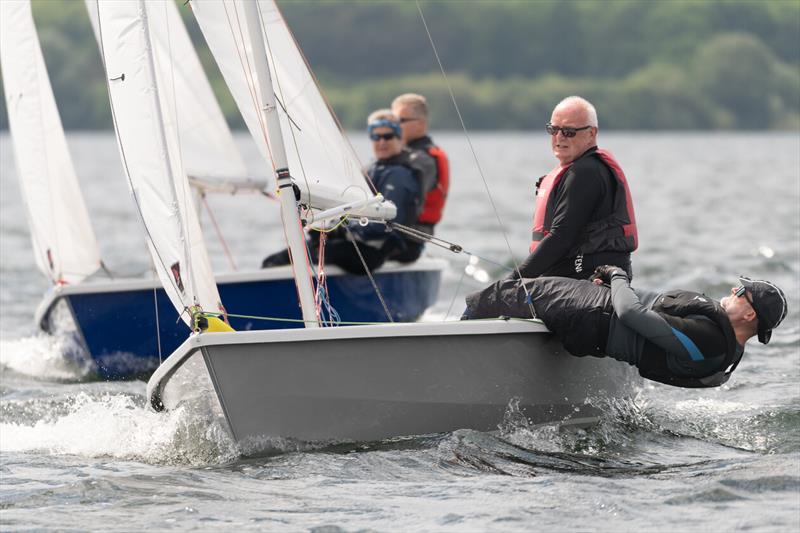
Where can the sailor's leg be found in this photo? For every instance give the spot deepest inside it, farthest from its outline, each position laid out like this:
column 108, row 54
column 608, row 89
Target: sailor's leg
column 342, row 253
column 277, row 259
column 577, row 311
column 282, row 258
column 506, row 297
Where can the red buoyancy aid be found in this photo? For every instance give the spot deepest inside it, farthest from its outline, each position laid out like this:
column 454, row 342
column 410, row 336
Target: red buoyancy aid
column 615, row 233
column 435, row 198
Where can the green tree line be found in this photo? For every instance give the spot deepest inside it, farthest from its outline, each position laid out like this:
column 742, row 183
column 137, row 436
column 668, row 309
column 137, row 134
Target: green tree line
column 680, row 64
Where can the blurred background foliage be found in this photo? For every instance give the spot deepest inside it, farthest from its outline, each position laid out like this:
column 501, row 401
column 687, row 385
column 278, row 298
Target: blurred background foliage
column 679, row 64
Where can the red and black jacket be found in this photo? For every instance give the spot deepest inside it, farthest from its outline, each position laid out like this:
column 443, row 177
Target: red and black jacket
column 435, row 196
column 614, row 231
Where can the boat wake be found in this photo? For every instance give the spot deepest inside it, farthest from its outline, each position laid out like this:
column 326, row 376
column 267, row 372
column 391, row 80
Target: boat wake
column 735, row 425
column 640, row 436
column 44, row 357
column 633, row 437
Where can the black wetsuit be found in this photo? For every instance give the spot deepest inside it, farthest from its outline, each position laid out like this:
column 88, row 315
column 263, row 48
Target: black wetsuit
column 617, row 322
column 638, row 334
column 583, row 195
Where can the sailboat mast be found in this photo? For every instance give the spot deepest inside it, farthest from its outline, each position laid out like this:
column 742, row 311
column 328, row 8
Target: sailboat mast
column 289, row 208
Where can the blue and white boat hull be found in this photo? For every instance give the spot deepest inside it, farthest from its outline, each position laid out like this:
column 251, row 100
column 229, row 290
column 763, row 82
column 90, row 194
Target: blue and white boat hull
column 115, row 323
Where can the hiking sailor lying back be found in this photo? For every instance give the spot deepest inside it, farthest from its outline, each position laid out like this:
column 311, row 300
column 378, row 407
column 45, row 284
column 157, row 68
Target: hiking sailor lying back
column 680, row 338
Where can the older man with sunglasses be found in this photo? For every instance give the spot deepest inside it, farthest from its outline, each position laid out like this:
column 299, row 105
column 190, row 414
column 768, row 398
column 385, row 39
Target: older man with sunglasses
column 677, row 337
column 583, row 216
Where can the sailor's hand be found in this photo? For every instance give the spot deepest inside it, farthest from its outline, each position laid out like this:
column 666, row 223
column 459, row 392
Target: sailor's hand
column 603, row 274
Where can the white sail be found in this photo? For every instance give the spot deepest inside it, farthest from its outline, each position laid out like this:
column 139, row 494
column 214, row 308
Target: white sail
column 63, row 241
column 144, row 114
column 321, row 160
column 206, row 142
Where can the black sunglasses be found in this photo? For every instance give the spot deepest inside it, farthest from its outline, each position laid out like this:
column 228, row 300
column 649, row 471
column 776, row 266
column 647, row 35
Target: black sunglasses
column 567, row 132
column 407, row 119
column 384, row 136
column 741, row 291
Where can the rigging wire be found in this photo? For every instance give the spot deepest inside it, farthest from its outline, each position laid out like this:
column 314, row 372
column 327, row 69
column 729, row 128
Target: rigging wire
column 472, row 150
column 442, row 243
column 369, row 275
column 222, row 240
column 341, row 322
column 455, row 293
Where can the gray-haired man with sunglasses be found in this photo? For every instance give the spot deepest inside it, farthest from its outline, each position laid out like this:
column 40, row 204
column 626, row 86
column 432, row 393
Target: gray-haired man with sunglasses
column 677, row 337
column 584, row 212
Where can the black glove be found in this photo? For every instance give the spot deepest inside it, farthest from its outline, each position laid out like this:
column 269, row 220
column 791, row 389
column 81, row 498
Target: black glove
column 605, row 272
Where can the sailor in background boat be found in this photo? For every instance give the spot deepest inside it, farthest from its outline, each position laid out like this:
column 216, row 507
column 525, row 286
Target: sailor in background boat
column 678, row 337
column 398, row 180
column 412, row 111
column 583, row 214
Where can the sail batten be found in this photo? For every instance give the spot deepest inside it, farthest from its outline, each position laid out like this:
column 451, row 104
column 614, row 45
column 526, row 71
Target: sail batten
column 64, row 243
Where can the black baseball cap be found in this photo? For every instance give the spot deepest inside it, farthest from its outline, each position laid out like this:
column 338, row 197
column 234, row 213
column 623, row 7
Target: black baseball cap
column 768, row 302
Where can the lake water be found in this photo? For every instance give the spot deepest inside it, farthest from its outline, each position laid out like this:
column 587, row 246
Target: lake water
column 91, row 456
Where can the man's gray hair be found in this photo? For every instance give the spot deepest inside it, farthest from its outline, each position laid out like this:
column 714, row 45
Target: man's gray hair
column 586, row 105
column 417, row 103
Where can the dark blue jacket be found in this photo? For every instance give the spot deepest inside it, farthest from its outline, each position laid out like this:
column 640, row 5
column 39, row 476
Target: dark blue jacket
column 396, row 181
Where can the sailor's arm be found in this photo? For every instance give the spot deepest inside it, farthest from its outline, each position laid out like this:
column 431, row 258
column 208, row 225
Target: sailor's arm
column 576, row 200
column 647, row 323
column 401, row 188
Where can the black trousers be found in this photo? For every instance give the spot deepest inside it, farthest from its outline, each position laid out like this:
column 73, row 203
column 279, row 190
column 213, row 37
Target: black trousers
column 577, row 311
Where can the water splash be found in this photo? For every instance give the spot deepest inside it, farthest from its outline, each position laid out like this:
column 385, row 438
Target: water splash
column 620, row 419
column 44, row 357
column 728, row 423
column 521, row 448
column 117, row 426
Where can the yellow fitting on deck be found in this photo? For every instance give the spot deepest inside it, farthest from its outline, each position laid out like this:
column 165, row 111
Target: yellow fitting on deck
column 215, row 325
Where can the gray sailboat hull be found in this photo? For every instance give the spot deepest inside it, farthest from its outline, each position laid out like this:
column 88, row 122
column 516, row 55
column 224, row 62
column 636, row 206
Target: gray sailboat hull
column 374, row 382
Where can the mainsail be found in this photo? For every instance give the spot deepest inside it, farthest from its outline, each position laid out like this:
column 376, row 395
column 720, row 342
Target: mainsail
column 144, row 110
column 64, row 243
column 322, row 161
